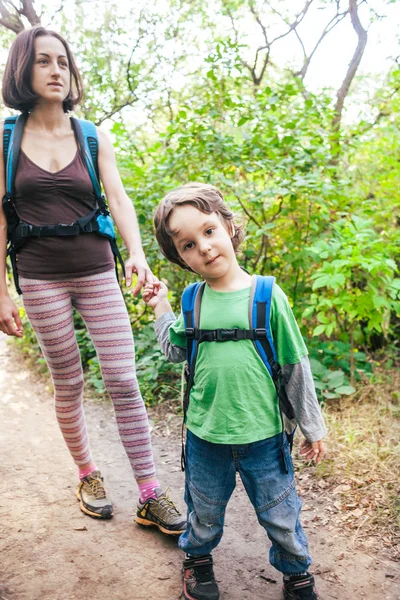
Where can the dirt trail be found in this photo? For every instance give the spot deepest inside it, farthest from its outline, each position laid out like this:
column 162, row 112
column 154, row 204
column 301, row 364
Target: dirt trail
column 52, row 551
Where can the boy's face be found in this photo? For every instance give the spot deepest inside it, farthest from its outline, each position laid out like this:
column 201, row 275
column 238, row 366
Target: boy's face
column 203, row 242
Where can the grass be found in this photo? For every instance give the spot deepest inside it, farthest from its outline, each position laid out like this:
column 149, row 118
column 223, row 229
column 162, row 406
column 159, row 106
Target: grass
column 363, row 462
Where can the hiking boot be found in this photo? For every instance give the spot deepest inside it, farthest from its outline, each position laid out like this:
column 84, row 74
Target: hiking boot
column 198, row 579
column 92, row 496
column 300, row 587
column 161, row 512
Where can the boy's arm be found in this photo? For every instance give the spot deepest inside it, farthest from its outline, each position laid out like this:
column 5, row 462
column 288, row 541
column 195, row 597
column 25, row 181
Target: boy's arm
column 162, row 325
column 157, row 299
column 297, row 378
column 300, row 390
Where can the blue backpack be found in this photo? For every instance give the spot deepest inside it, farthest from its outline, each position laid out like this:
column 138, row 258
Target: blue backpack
column 259, row 332
column 97, row 221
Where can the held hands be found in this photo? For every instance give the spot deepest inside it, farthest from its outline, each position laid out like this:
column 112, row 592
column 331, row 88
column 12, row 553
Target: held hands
column 10, row 321
column 138, row 264
column 312, row 450
column 154, row 295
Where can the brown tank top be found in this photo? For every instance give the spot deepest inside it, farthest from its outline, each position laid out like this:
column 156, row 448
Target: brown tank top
column 45, row 198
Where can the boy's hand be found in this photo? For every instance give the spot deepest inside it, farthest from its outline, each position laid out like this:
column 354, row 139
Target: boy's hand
column 312, row 450
column 153, row 295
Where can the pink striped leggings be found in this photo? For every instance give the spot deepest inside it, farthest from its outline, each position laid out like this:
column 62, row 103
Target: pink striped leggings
column 99, row 301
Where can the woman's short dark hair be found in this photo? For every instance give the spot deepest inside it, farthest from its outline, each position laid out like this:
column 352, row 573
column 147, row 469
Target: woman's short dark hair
column 17, row 80
column 206, row 198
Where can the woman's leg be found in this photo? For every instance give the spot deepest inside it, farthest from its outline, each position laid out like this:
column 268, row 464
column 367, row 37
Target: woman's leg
column 99, row 300
column 48, row 307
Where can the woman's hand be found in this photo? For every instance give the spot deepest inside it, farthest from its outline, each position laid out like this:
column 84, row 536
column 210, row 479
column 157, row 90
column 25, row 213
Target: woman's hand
column 138, row 265
column 312, row 450
column 10, row 321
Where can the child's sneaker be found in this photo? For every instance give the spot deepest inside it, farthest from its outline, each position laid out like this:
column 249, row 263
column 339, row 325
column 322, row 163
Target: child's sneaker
column 198, row 579
column 92, row 496
column 161, row 512
column 300, row 587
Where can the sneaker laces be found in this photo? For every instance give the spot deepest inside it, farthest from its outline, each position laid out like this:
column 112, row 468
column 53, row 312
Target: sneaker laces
column 164, row 506
column 95, row 486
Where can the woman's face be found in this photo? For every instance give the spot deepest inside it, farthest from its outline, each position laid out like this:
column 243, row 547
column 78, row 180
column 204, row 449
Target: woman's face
column 51, row 77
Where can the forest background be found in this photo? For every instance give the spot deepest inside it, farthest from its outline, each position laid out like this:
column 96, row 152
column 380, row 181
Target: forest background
column 239, row 93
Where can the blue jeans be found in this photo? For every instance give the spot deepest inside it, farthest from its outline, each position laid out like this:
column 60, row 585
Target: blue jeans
column 210, row 481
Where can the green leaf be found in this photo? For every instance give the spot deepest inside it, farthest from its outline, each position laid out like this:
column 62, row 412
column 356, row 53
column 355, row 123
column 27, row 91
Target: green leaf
column 322, row 281
column 335, row 379
column 319, row 329
column 317, row 368
column 345, row 390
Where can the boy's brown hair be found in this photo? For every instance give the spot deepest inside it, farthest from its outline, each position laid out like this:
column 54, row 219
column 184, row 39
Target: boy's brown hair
column 17, row 80
column 204, row 197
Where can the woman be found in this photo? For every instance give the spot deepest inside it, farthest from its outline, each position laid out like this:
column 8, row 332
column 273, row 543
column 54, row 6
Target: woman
column 57, row 274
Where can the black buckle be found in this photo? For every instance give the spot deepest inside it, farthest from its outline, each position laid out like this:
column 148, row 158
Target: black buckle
column 260, row 334
column 25, row 229
column 226, row 335
column 189, row 332
column 88, row 228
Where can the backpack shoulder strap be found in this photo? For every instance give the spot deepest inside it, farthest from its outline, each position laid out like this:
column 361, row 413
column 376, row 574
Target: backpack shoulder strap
column 86, row 135
column 191, row 303
column 9, row 124
column 260, row 312
column 12, row 136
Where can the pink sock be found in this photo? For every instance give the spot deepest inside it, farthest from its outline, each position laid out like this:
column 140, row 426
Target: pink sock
column 85, row 472
column 148, row 490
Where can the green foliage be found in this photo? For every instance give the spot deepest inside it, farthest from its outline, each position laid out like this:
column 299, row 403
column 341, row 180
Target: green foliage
column 337, row 355
column 357, row 275
column 330, row 384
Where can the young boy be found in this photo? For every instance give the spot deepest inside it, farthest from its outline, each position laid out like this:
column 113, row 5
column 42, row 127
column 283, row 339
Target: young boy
column 233, row 420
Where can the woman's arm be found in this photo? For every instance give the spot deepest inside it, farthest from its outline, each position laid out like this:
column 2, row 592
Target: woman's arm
column 10, row 321
column 124, row 215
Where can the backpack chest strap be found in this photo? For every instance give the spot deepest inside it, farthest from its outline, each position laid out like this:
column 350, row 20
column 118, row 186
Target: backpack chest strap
column 224, row 335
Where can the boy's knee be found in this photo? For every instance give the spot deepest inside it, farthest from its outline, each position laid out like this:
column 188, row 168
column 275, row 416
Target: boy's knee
column 203, row 530
column 205, row 515
column 281, row 522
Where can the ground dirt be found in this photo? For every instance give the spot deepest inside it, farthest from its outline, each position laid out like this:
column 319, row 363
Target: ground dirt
column 52, row 551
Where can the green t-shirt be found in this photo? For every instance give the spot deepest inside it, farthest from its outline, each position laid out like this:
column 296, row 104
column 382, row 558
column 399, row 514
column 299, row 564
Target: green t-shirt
column 233, row 399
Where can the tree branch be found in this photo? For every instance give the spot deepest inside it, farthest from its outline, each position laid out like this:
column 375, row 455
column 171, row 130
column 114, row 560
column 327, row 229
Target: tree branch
column 11, row 15
column 114, row 111
column 353, row 66
column 16, row 26
column 29, row 12
column 332, row 23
